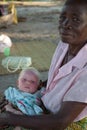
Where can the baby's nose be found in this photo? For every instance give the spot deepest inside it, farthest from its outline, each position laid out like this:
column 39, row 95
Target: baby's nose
column 27, row 82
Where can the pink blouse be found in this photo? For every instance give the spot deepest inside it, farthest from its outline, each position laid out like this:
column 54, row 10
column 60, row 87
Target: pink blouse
column 67, row 83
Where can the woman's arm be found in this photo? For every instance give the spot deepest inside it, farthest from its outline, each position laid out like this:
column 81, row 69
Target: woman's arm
column 68, row 112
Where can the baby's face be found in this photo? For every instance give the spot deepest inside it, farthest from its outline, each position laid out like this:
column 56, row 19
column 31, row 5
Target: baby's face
column 28, row 82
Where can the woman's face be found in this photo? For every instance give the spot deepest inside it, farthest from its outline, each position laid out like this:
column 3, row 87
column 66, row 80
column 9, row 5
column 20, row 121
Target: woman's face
column 73, row 24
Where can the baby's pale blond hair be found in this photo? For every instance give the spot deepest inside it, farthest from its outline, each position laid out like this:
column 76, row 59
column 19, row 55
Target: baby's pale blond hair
column 33, row 70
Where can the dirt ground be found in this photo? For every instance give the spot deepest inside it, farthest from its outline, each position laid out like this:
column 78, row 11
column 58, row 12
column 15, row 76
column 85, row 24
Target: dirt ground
column 34, row 23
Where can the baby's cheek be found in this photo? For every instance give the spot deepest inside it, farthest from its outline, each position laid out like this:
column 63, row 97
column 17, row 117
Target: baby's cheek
column 21, row 86
column 34, row 87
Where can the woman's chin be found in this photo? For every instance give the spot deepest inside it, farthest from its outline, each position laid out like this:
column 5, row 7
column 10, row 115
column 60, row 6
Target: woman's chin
column 67, row 40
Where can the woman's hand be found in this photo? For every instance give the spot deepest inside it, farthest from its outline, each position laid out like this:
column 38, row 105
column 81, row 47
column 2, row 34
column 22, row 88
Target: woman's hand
column 3, row 121
column 3, row 102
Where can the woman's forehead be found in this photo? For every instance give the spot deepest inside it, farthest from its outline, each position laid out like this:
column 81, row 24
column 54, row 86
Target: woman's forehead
column 78, row 9
column 78, row 2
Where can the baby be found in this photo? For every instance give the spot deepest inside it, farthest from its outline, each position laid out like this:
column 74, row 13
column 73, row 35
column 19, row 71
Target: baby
column 27, row 98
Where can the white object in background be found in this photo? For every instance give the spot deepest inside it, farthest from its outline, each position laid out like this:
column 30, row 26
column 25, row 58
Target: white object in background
column 5, row 42
column 14, row 63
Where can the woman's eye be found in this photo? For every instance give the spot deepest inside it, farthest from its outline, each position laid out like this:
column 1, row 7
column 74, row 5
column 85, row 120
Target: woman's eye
column 62, row 17
column 75, row 19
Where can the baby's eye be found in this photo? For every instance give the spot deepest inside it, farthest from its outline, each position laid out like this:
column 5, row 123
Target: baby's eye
column 24, row 80
column 33, row 82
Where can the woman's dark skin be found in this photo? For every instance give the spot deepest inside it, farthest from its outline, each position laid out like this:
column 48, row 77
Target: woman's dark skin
column 73, row 29
column 73, row 26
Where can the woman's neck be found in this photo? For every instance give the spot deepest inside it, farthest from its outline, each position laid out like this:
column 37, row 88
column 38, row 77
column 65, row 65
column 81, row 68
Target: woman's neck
column 73, row 49
column 71, row 53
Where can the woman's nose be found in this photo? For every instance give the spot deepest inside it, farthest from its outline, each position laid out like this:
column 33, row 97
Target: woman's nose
column 67, row 23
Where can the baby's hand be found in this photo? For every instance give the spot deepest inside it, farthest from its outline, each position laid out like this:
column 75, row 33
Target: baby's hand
column 10, row 108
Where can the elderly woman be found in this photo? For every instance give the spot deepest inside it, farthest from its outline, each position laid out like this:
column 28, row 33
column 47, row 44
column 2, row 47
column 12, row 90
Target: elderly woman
column 66, row 91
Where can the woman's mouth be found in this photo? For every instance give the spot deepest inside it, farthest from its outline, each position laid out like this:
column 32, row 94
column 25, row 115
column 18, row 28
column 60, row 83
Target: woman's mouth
column 65, row 33
column 66, row 36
